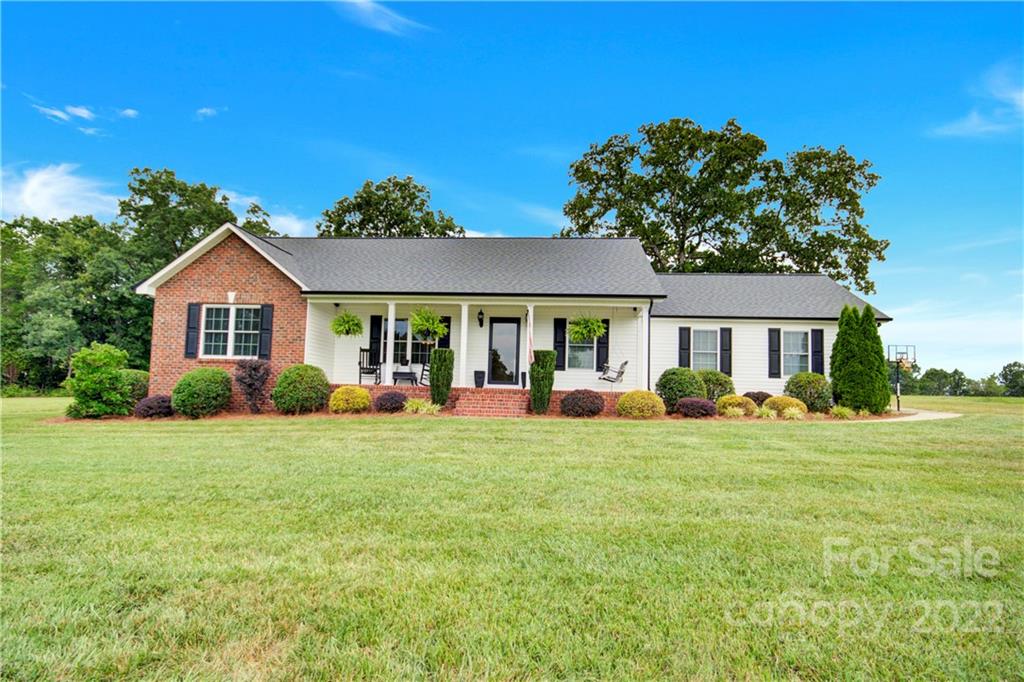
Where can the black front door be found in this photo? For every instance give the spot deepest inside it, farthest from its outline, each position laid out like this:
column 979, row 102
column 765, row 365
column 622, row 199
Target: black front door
column 503, row 359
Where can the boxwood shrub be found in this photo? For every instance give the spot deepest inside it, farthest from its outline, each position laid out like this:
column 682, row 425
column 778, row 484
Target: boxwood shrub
column 137, row 383
column 582, row 403
column 640, row 405
column 154, row 406
column 741, row 402
column 542, row 378
column 779, row 403
column 812, row 389
column 392, row 401
column 301, row 389
column 677, row 383
column 696, row 408
column 202, row 392
column 758, row 397
column 716, row 383
column 347, row 399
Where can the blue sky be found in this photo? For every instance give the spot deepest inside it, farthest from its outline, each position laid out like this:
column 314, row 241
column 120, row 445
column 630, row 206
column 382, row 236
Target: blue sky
column 487, row 104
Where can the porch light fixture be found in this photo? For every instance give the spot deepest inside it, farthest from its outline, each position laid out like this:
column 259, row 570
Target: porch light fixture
column 480, row 317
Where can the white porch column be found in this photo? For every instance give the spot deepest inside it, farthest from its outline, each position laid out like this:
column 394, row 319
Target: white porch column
column 527, row 341
column 390, row 345
column 463, row 344
column 645, row 346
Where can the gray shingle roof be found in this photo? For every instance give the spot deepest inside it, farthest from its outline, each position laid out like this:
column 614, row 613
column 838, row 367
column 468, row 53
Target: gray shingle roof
column 495, row 266
column 754, row 296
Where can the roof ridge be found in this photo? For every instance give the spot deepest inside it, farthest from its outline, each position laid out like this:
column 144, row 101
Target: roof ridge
column 395, row 239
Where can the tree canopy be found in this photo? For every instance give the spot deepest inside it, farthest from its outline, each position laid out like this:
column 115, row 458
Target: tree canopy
column 712, row 201
column 393, row 207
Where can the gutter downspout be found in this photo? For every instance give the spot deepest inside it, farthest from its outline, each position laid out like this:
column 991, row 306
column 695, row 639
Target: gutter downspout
column 648, row 363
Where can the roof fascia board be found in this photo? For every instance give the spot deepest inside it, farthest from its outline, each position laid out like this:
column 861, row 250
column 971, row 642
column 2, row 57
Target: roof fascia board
column 756, row 317
column 490, row 299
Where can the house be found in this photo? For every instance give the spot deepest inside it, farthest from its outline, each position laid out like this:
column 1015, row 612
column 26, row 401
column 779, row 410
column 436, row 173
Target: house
column 237, row 295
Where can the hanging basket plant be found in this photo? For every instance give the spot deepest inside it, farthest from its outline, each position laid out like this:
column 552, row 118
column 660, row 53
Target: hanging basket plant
column 427, row 324
column 347, row 324
column 583, row 329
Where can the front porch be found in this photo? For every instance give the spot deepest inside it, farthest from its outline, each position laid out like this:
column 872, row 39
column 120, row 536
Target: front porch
column 490, row 339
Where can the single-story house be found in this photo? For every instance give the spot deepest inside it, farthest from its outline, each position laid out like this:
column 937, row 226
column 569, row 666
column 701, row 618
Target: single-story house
column 237, row 295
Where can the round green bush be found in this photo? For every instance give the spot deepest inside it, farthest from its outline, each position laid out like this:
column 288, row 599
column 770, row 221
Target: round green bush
column 677, row 383
column 582, row 403
column 779, row 403
column 812, row 389
column 640, row 405
column 137, row 381
column 202, row 392
column 716, row 383
column 741, row 402
column 350, row 399
column 96, row 382
column 301, row 389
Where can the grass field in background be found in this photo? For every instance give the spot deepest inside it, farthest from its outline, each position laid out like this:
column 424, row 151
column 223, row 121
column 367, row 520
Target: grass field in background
column 431, row 547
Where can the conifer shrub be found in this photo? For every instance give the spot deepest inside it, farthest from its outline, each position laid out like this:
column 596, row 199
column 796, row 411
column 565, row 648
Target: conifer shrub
column 780, row 403
column 542, row 378
column 442, row 368
column 744, row 403
column 640, row 405
column 349, row 399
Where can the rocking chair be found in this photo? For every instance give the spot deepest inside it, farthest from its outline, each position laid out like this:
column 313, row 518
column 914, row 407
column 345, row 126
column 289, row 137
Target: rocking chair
column 369, row 366
column 613, row 376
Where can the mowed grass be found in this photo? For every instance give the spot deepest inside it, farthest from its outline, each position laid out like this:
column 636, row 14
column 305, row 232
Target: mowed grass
column 403, row 547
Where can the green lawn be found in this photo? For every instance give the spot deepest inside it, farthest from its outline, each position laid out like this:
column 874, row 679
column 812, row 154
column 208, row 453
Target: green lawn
column 445, row 547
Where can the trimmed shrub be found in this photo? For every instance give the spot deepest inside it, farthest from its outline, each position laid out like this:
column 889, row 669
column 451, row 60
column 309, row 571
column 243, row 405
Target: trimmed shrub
column 154, row 406
column 779, row 404
column 582, row 403
column 252, row 377
column 733, row 412
column 640, row 405
column 421, row 406
column 677, row 383
column 350, row 399
column 757, row 396
column 793, row 414
column 860, row 374
column 744, row 403
column 812, row 389
column 97, row 382
column 301, row 389
column 137, row 381
column 202, row 392
column 542, row 378
column 765, row 413
column 442, row 368
column 716, row 383
column 840, row 412
column 392, row 401
column 696, row 408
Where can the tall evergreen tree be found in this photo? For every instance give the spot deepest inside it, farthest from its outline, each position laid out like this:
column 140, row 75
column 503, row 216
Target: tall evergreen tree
column 874, row 377
column 843, row 350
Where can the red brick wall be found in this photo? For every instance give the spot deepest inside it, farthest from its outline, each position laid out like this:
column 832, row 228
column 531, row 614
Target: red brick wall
column 487, row 402
column 232, row 265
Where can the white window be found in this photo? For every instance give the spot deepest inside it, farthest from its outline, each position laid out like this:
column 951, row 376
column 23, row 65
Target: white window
column 705, row 349
column 231, row 331
column 795, row 352
column 582, row 355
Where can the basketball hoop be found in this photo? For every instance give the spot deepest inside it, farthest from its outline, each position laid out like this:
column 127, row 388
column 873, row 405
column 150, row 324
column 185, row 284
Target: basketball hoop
column 903, row 357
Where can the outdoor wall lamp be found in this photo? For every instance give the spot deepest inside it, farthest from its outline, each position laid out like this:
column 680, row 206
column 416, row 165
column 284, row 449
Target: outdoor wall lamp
column 480, row 317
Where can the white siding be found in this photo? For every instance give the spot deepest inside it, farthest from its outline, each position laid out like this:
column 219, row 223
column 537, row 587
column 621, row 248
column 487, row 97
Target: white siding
column 320, row 345
column 749, row 347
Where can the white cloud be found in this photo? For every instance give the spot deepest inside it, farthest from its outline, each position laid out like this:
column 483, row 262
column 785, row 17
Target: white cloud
column 208, row 112
column 984, row 243
column 54, row 191
column 376, row 16
column 128, row 113
column 1001, row 107
column 542, row 214
column 477, row 233
column 52, row 114
column 94, row 132
column 80, row 112
column 292, row 225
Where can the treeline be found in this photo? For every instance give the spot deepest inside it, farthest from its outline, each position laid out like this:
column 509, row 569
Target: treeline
column 1008, row 382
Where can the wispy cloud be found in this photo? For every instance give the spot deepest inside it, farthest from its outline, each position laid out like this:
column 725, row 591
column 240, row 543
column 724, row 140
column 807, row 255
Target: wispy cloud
column 128, row 113
column 999, row 108
column 984, row 243
column 92, row 132
column 376, row 16
column 283, row 221
column 55, row 191
column 80, row 112
column 542, row 214
column 204, row 113
column 974, row 278
column 52, row 114
column 478, row 233
column 552, row 153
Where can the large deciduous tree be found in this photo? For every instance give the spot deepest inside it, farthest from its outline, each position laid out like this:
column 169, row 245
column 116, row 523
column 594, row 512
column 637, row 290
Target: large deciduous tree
column 712, row 201
column 394, row 207
column 1012, row 376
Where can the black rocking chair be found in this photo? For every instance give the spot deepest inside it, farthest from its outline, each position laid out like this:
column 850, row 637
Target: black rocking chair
column 369, row 366
column 613, row 376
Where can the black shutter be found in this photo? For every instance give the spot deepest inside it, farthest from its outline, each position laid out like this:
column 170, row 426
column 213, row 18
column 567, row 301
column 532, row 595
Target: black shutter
column 446, row 340
column 266, row 330
column 559, row 343
column 684, row 346
column 192, row 331
column 725, row 350
column 376, row 321
column 774, row 353
column 602, row 346
column 818, row 351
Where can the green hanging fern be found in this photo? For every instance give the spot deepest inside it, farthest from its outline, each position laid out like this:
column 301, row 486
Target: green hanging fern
column 347, row 324
column 427, row 324
column 583, row 329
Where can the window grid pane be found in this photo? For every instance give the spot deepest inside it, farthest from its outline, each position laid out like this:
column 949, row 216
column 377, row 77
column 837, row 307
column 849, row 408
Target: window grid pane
column 247, row 344
column 247, row 319
column 217, row 319
column 705, row 340
column 581, row 356
column 703, row 360
column 793, row 363
column 794, row 342
column 215, row 331
column 215, row 343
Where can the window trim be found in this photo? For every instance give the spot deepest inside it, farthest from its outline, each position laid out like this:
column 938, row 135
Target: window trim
column 593, row 347
column 783, row 353
column 694, row 351
column 232, row 307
